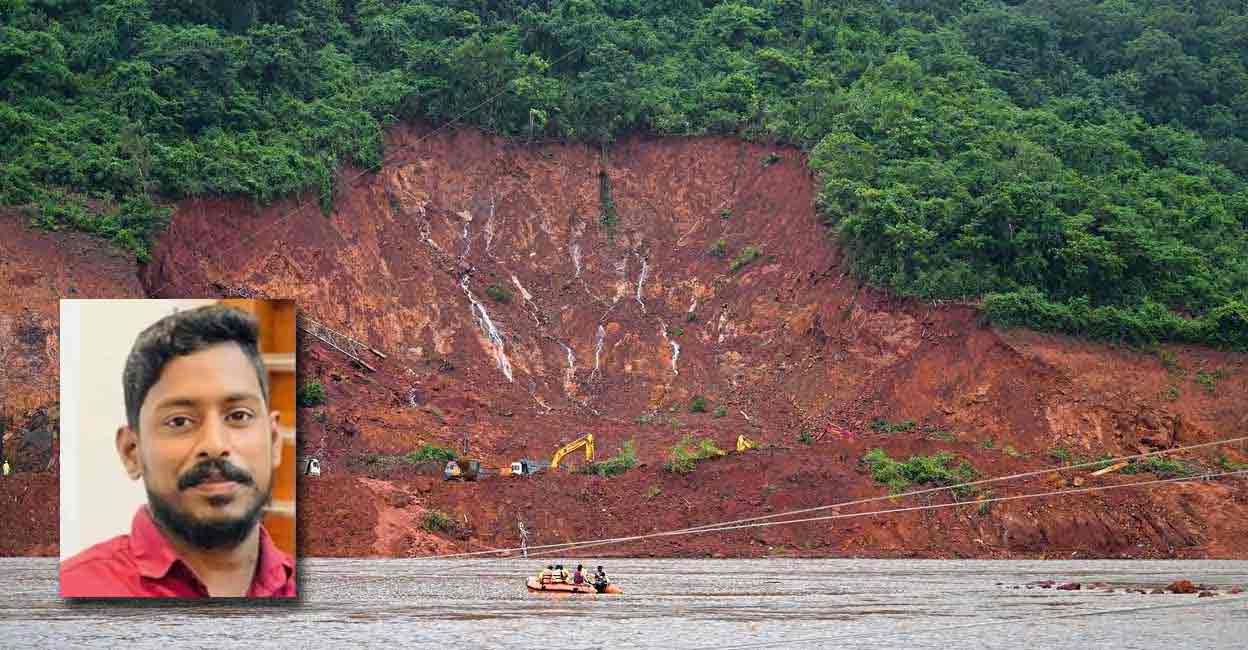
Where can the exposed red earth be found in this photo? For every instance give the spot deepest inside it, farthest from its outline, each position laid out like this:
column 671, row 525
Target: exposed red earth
column 613, row 305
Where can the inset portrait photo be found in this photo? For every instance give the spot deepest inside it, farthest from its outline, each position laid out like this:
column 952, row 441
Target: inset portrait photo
column 177, row 449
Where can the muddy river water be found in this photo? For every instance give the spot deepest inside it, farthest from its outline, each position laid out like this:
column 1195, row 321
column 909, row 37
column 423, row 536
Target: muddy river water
column 666, row 604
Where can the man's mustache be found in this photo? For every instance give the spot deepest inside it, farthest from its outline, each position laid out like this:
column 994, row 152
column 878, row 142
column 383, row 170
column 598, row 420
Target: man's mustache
column 205, row 471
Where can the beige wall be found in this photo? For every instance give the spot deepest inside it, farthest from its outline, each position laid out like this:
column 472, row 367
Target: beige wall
column 97, row 498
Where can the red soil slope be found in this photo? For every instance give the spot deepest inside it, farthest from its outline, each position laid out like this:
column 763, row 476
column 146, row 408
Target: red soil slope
column 612, row 307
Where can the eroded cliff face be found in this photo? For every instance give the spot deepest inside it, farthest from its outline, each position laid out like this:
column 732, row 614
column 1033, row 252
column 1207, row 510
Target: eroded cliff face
column 524, row 294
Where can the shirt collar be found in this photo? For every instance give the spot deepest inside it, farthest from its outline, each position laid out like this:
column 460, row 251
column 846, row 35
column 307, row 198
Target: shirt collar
column 273, row 568
column 155, row 556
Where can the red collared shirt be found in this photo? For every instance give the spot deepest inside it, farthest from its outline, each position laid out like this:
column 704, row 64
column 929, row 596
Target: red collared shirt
column 144, row 564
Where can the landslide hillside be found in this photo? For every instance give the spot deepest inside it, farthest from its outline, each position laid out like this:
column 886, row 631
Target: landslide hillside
column 833, row 227
column 524, row 294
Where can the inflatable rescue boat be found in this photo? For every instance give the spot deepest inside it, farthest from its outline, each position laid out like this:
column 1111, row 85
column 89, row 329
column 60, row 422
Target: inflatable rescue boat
column 568, row 588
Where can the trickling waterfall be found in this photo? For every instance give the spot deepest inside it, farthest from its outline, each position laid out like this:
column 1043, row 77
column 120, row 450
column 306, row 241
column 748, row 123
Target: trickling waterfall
column 723, row 320
column 693, row 305
column 426, row 234
column 641, row 279
column 569, row 375
column 576, row 258
column 487, row 326
column 675, row 345
column 467, row 240
column 488, row 229
column 527, row 296
column 602, row 335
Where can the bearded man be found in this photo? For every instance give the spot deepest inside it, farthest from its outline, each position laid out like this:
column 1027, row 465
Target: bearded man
column 199, row 434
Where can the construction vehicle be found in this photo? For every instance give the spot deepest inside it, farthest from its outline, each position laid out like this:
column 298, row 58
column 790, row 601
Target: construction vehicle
column 744, row 443
column 528, row 467
column 586, row 441
column 464, row 469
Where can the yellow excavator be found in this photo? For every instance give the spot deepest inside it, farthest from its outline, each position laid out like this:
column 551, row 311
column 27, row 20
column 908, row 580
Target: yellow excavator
column 744, row 443
column 586, row 441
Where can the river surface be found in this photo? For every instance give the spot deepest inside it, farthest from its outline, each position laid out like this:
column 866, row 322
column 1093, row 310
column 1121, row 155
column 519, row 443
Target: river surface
column 681, row 604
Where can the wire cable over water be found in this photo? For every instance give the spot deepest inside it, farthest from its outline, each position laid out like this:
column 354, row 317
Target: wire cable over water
column 750, row 522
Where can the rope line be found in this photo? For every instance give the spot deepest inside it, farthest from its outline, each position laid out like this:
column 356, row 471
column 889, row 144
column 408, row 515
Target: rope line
column 561, row 548
column 720, row 525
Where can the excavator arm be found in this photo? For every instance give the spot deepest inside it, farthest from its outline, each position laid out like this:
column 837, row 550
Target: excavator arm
column 586, row 441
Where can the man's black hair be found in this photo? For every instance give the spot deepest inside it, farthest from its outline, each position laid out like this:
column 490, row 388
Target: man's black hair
column 181, row 334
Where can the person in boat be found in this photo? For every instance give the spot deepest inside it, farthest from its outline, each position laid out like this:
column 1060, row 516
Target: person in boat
column 600, row 578
column 547, row 575
column 578, row 578
column 562, row 573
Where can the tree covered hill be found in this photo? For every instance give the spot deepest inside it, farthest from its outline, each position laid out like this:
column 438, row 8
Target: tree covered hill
column 1075, row 166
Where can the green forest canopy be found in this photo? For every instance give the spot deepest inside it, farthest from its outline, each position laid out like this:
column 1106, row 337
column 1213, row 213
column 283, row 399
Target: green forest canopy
column 1080, row 166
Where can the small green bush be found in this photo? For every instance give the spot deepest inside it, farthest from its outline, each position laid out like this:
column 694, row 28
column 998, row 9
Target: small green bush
column 805, row 437
column 697, row 404
column 690, row 317
column 436, row 521
column 1161, row 467
column 984, row 506
column 623, row 461
column 428, row 452
column 1060, row 454
column 720, row 411
column 1209, row 380
column 499, row 293
column 771, row 159
column 310, row 394
column 748, row 255
column 719, row 249
column 684, row 456
column 936, row 470
column 726, row 213
column 652, row 492
column 1228, row 465
column 1170, row 362
column 880, row 425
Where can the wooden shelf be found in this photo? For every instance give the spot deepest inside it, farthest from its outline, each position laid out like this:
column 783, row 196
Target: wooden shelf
column 280, row 362
column 280, row 508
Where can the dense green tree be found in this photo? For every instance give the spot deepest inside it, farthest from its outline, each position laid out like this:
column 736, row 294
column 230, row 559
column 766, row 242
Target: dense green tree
column 1078, row 166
